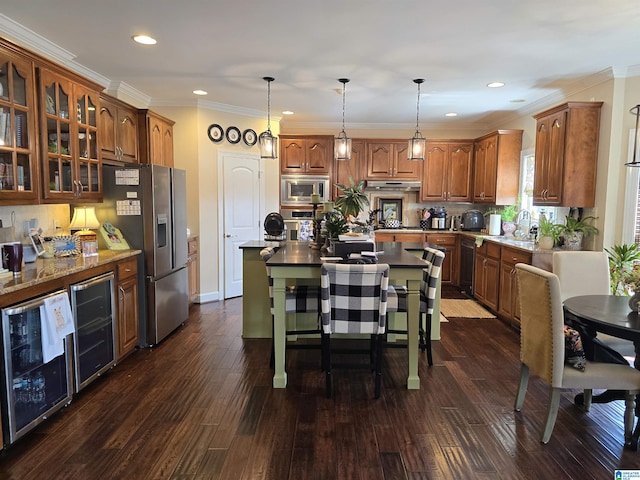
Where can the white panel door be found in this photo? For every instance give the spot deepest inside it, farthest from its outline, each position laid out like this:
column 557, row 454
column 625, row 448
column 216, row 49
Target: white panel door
column 241, row 194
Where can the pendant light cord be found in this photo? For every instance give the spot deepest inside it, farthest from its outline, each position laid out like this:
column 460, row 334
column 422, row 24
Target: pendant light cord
column 344, row 88
column 269, row 105
column 418, row 110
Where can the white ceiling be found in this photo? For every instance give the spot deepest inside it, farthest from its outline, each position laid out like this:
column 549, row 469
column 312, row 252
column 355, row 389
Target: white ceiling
column 539, row 49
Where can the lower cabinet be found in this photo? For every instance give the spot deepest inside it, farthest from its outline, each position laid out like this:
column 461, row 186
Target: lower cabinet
column 127, row 315
column 400, row 237
column 487, row 274
column 448, row 274
column 192, row 268
column 509, row 306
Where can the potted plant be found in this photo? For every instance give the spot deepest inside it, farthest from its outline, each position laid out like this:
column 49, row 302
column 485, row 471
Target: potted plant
column 353, row 199
column 621, row 262
column 548, row 233
column 575, row 230
column 335, row 224
column 508, row 214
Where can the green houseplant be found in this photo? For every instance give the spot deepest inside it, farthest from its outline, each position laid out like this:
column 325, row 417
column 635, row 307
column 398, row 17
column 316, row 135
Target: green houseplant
column 335, row 224
column 508, row 214
column 621, row 264
column 548, row 233
column 575, row 230
column 353, row 199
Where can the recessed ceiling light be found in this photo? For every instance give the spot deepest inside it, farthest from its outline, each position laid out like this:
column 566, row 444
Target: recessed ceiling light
column 144, row 39
column 287, row 112
column 451, row 114
column 199, row 92
column 495, row 84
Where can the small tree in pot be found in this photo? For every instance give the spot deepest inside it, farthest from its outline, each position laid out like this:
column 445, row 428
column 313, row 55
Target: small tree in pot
column 353, row 199
column 575, row 230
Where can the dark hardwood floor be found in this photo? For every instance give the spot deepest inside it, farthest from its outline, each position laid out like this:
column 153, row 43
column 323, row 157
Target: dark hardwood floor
column 201, row 406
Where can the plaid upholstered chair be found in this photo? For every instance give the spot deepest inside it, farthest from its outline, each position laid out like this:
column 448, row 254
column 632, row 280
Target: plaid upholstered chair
column 298, row 299
column 542, row 351
column 397, row 299
column 354, row 301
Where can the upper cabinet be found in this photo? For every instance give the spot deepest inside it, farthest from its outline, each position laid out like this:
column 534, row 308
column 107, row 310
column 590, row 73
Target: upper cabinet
column 18, row 165
column 118, row 130
column 156, row 138
column 69, row 139
column 446, row 172
column 306, row 155
column 566, row 155
column 387, row 159
column 343, row 170
column 497, row 167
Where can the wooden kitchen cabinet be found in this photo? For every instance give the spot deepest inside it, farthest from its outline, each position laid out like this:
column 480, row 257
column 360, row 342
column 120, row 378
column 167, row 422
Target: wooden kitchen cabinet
column 127, row 314
column 155, row 134
column 400, row 236
column 508, row 304
column 18, row 164
column 71, row 167
column 118, row 130
column 497, row 167
column 448, row 242
column 446, row 174
column 566, row 155
column 306, row 155
column 192, row 268
column 487, row 274
column 343, row 170
column 387, row 159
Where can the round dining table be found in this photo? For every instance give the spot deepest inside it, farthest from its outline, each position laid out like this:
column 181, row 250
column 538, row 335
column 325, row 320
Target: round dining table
column 612, row 315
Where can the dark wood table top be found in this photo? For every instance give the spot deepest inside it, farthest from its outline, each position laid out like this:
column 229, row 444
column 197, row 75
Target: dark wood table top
column 608, row 314
column 393, row 253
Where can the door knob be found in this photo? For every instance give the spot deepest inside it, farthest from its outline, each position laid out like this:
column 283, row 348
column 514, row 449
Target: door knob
column 227, row 235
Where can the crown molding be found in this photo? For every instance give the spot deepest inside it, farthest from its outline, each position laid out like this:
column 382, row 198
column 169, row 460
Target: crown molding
column 125, row 92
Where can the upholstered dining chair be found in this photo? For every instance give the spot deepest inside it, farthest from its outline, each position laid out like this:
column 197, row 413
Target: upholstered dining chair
column 397, row 300
column 587, row 273
column 354, row 301
column 298, row 299
column 542, row 351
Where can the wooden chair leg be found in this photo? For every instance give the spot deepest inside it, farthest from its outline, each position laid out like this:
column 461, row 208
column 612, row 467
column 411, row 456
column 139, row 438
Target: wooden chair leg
column 522, row 387
column 629, row 416
column 552, row 414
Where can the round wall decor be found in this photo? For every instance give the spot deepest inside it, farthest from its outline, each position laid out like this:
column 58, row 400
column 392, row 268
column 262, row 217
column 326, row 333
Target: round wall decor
column 215, row 133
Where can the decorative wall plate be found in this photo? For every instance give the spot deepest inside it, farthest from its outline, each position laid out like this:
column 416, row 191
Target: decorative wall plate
column 249, row 136
column 215, row 132
column 233, row 135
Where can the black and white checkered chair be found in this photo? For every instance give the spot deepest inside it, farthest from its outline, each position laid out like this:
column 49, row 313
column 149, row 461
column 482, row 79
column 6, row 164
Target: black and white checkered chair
column 298, row 299
column 354, row 301
column 397, row 299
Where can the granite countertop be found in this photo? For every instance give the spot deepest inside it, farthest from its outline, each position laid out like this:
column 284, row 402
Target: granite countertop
column 264, row 243
column 46, row 269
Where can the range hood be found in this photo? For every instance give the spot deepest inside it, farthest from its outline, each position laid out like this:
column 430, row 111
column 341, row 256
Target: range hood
column 396, row 185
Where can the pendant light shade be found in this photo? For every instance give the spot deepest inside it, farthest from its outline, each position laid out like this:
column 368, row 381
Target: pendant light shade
column 268, row 143
column 418, row 143
column 636, row 161
column 342, row 144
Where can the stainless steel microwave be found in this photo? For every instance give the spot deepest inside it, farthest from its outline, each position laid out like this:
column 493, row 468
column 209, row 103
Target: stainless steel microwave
column 296, row 190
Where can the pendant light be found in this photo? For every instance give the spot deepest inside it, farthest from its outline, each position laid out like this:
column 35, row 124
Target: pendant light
column 636, row 161
column 268, row 143
column 417, row 143
column 342, row 144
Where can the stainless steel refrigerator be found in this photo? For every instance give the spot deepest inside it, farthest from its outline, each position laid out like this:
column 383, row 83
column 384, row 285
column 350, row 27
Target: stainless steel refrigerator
column 148, row 204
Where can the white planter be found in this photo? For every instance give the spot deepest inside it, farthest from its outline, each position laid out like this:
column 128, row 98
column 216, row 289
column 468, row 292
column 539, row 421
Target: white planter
column 572, row 241
column 545, row 243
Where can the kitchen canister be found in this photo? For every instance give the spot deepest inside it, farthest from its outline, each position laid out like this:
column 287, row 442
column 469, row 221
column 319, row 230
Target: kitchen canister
column 494, row 224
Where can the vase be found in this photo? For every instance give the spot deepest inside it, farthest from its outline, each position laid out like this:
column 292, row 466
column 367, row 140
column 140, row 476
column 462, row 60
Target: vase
column 508, row 228
column 572, row 241
column 634, row 301
column 546, row 243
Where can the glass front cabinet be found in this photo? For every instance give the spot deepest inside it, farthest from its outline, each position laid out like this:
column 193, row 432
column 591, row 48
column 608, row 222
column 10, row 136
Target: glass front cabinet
column 71, row 165
column 18, row 174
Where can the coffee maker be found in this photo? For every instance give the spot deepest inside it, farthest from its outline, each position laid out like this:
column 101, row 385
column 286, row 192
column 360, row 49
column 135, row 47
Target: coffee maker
column 439, row 218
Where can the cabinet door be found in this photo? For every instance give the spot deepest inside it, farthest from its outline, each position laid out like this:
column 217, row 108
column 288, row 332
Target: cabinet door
column 89, row 182
column 459, row 173
column 480, row 153
column 479, row 277
column 409, row 237
column 127, row 135
column 549, row 159
column 379, row 160
column 319, row 155
column 485, row 175
column 507, row 295
column 403, row 168
column 18, row 167
column 349, row 169
column 492, row 278
column 292, row 156
column 127, row 316
column 385, row 237
column 448, row 242
column 167, row 145
column 108, row 122
column 155, row 141
column 434, row 174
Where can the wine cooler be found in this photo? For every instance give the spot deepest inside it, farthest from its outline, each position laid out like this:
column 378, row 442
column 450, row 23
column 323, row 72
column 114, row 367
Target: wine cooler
column 34, row 390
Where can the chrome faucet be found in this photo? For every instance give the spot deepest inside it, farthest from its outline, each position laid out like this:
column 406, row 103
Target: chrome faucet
column 523, row 222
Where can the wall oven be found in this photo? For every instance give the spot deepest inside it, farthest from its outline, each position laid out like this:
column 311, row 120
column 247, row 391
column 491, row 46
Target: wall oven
column 299, row 225
column 296, row 190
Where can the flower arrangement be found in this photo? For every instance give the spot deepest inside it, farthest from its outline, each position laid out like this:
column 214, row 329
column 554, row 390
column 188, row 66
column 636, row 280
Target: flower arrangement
column 624, row 271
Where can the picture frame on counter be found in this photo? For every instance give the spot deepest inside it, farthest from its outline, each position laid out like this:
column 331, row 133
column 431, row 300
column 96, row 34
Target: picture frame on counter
column 390, row 209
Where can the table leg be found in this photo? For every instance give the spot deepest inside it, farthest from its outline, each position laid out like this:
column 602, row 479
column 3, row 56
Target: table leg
column 632, row 443
column 279, row 332
column 413, row 312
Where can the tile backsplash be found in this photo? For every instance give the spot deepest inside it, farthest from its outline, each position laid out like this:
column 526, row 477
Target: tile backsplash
column 51, row 218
